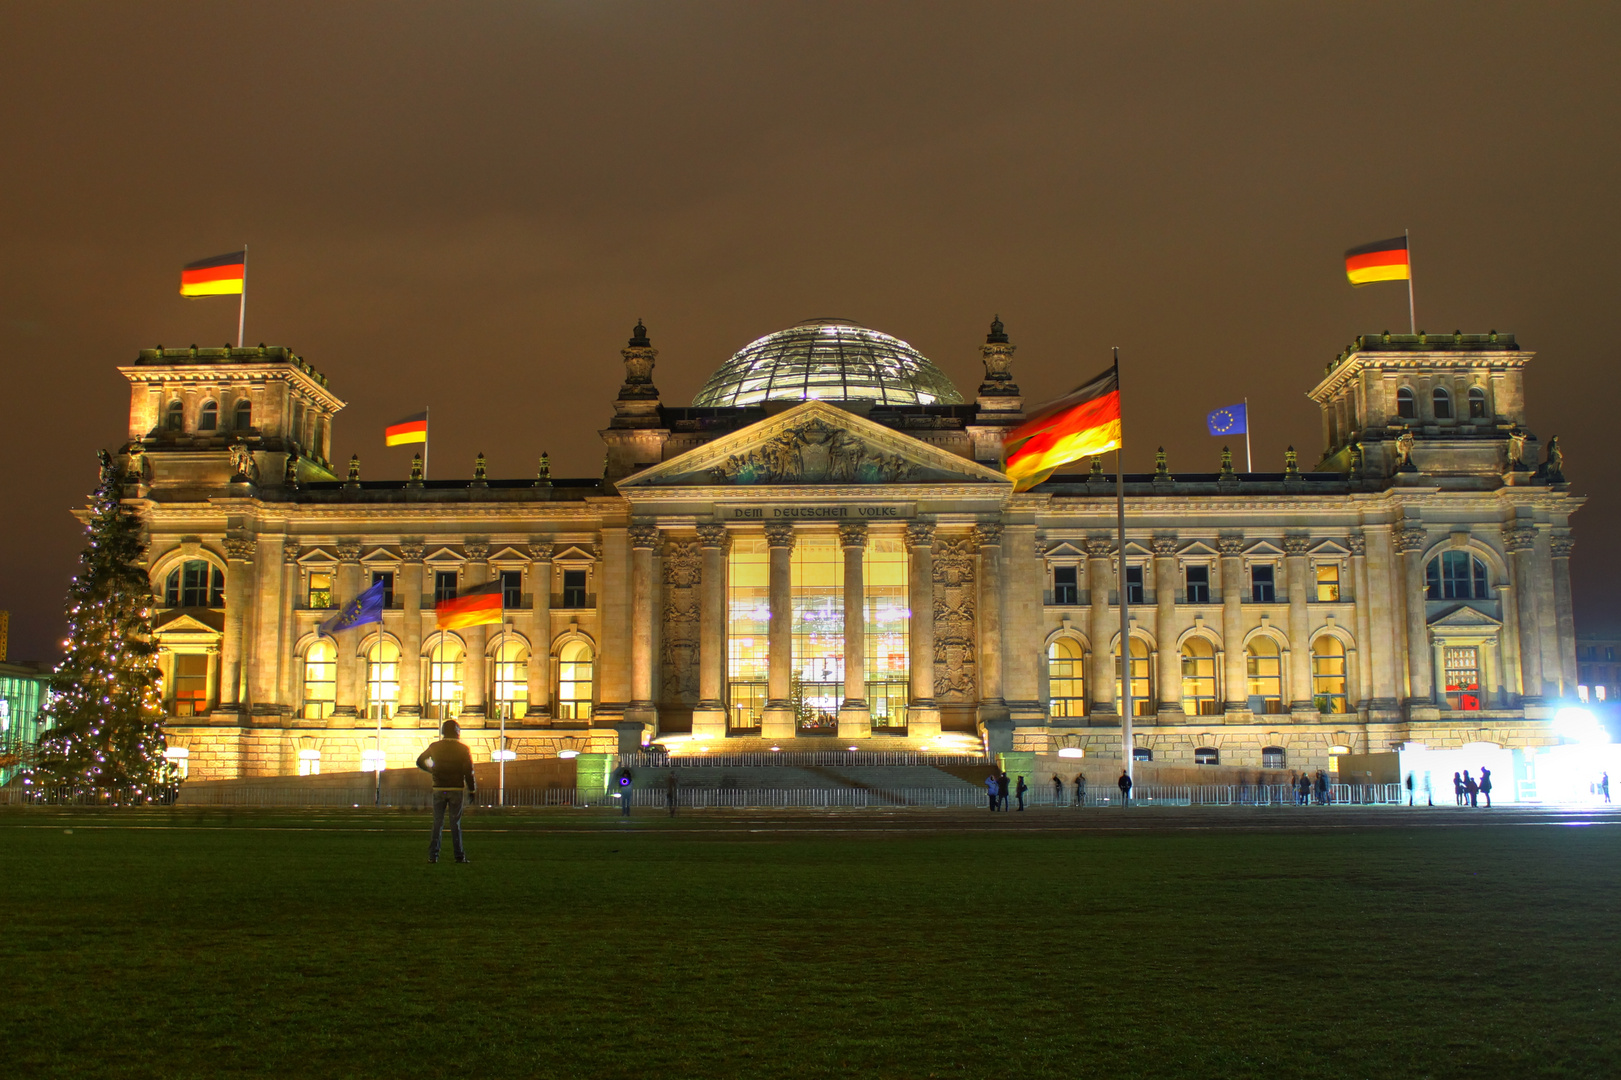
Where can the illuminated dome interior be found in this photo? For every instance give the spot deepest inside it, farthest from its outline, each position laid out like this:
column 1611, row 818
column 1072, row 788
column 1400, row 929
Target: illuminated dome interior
column 828, row 360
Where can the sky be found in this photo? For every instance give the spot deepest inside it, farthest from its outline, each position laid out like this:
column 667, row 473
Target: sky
column 468, row 206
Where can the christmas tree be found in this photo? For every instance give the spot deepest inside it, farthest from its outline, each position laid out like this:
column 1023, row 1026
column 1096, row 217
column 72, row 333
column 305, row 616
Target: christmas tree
column 105, row 714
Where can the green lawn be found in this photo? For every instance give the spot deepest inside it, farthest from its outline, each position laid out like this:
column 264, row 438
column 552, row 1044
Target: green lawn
column 190, row 943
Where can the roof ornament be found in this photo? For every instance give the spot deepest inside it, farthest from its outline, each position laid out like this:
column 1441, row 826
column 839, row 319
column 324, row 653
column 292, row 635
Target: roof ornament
column 638, row 336
column 1291, row 464
column 354, row 472
column 543, row 476
column 998, row 335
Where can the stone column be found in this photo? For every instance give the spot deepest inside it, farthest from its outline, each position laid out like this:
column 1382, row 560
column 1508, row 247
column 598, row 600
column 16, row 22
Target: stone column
column 1420, row 669
column 348, row 691
column 778, row 721
column 1560, row 548
column 855, row 713
column 709, row 718
column 1522, row 543
column 1024, row 568
column 922, row 714
column 1235, row 689
column 1294, row 572
column 264, row 657
column 290, row 686
column 409, row 591
column 643, row 539
column 1381, row 597
column 992, row 705
column 540, row 633
column 238, row 591
column 1361, row 624
column 475, row 573
column 613, row 588
column 1169, row 675
column 1099, row 575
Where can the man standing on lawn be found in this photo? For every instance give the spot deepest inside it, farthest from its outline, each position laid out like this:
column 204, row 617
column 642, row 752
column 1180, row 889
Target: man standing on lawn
column 451, row 764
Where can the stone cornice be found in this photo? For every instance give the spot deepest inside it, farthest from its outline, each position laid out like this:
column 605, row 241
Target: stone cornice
column 225, row 374
column 1372, row 360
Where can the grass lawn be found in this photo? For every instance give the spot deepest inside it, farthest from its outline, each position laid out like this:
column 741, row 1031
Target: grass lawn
column 207, row 943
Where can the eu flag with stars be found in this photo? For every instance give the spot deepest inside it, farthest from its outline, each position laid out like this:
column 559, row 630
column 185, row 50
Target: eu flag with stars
column 1231, row 420
column 365, row 608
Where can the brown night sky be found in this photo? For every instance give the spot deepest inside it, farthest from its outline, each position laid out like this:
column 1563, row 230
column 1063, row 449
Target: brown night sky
column 468, row 206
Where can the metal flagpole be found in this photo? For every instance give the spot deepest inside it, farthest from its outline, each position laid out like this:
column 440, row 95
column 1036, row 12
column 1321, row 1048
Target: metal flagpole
column 242, row 308
column 427, row 434
column 1125, row 622
column 1249, row 462
column 1412, row 319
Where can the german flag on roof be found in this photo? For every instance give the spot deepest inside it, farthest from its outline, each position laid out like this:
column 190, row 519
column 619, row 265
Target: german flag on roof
column 413, row 428
column 1382, row 260
column 1083, row 423
column 222, row 275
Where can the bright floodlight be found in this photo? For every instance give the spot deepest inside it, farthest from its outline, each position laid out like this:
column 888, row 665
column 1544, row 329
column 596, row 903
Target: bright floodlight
column 373, row 760
column 503, row 755
column 1579, row 726
column 1072, row 751
column 568, row 753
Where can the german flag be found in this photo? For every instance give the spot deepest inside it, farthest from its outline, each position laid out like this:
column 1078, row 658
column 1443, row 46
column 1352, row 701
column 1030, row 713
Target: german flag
column 413, row 428
column 1382, row 260
column 223, row 275
column 472, row 608
column 1081, row 424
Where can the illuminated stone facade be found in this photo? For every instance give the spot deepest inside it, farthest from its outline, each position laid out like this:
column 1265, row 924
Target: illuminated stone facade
column 824, row 572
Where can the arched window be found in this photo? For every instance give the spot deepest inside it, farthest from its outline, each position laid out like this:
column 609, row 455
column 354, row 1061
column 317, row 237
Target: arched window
column 1273, row 757
column 1142, row 679
column 194, row 583
column 445, row 680
column 320, row 680
column 574, row 663
column 1263, row 663
column 1328, row 674
column 1405, row 409
column 175, row 420
column 244, row 416
column 1442, row 402
column 1066, row 687
column 512, row 678
column 382, row 679
column 1477, row 403
column 1206, row 755
column 1141, row 753
column 1456, row 575
column 1199, row 678
column 209, row 418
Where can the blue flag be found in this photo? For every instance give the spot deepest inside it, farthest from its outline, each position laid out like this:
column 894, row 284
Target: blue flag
column 365, row 608
column 1232, row 420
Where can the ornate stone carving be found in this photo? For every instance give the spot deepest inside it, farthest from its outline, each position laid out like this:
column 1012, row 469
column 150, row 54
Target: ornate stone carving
column 853, row 534
column 348, row 551
column 1515, row 450
column 1553, row 467
column 779, row 534
column 954, row 646
column 815, row 452
column 920, row 534
column 644, row 536
column 1561, row 546
column 540, row 550
column 476, row 550
column 679, row 642
column 1164, row 545
column 682, row 563
column 412, row 550
column 1230, row 545
column 954, row 560
column 1296, row 545
column 712, row 536
column 1357, row 543
column 988, row 534
column 291, row 552
column 1411, row 539
column 243, row 467
column 238, row 549
column 1520, row 538
column 289, row 477
column 1099, row 548
column 1404, row 452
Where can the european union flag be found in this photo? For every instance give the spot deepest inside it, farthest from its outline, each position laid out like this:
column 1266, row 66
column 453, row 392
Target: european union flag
column 1232, row 420
column 365, row 608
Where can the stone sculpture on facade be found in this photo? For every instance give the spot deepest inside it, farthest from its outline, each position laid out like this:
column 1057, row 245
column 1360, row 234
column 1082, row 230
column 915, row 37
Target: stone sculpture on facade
column 815, row 453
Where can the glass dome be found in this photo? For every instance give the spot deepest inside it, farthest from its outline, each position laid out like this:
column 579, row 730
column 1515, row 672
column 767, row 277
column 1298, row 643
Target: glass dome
column 828, row 360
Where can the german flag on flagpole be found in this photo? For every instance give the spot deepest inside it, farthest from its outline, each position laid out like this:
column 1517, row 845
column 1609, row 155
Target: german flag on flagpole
column 1382, row 260
column 1083, row 423
column 412, row 429
column 472, row 608
column 223, row 275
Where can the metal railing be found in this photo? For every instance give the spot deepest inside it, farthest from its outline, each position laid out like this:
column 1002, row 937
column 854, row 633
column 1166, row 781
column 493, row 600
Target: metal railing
column 798, row 759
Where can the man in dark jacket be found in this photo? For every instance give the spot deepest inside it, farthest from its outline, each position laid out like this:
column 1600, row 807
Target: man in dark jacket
column 1003, row 782
column 451, row 764
column 1125, row 787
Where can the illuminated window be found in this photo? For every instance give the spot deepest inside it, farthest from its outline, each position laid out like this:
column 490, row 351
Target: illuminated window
column 887, row 634
column 309, row 763
column 1456, row 575
column 1206, row 755
column 574, row 588
column 1328, row 582
column 1463, row 677
column 748, row 620
column 445, row 679
column 817, row 623
column 1274, row 757
column 1141, row 753
column 244, row 415
column 1263, row 583
column 195, row 583
column 1066, row 590
column 175, row 419
column 320, row 680
column 1264, row 669
column 512, row 679
column 190, row 684
column 1405, row 408
column 574, row 681
column 1199, row 677
column 320, row 590
column 209, row 418
column 1198, row 584
column 382, row 679
column 1581, row 694
column 1477, row 403
column 1142, row 680
column 1328, row 674
column 1066, row 685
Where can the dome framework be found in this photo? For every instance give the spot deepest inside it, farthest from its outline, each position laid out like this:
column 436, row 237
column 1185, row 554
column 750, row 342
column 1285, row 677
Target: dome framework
column 828, row 360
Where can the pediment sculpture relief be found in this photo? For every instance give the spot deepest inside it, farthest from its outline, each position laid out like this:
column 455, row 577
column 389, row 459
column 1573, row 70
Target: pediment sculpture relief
column 815, row 453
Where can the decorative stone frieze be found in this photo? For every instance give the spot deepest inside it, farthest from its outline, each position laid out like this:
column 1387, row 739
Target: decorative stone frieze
column 853, row 534
column 348, row 551
column 955, row 654
column 920, row 533
column 779, row 534
column 644, row 536
column 712, row 536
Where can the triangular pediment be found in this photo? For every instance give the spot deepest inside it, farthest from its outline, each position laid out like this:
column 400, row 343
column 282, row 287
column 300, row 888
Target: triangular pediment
column 317, row 556
column 1464, row 616
column 378, row 556
column 510, row 555
column 573, row 553
column 1329, row 549
column 1198, row 548
column 1065, row 550
column 444, row 555
column 1263, row 548
column 183, row 622
column 814, row 443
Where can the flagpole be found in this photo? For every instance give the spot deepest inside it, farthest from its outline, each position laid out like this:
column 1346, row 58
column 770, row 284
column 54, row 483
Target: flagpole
column 1249, row 462
column 242, row 308
column 426, row 432
column 1412, row 319
column 1125, row 621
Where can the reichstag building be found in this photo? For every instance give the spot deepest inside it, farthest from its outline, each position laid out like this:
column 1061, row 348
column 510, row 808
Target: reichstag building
column 820, row 552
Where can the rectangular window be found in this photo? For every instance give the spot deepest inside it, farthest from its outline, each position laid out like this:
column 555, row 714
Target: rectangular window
column 1328, row 582
column 1263, row 584
column 888, row 624
column 748, row 619
column 444, row 585
column 1198, row 584
column 512, row 588
column 1463, row 677
column 1134, row 585
column 1609, row 652
column 320, row 592
column 190, row 684
column 387, row 578
column 817, row 685
column 1066, row 590
column 574, row 588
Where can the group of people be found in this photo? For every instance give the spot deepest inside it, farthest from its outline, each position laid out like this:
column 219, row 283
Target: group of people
column 1468, row 791
column 1305, row 786
column 999, row 786
column 1078, row 788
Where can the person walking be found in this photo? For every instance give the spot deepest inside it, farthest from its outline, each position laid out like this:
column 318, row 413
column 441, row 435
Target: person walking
column 1058, row 791
column 1020, row 790
column 1429, row 793
column 1303, row 790
column 1080, row 789
column 1471, row 788
column 1322, row 788
column 624, row 780
column 990, row 789
column 451, row 765
column 1604, row 786
column 671, row 786
column 1457, row 789
column 1125, row 788
column 1409, row 789
column 1004, row 784
column 1486, row 785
